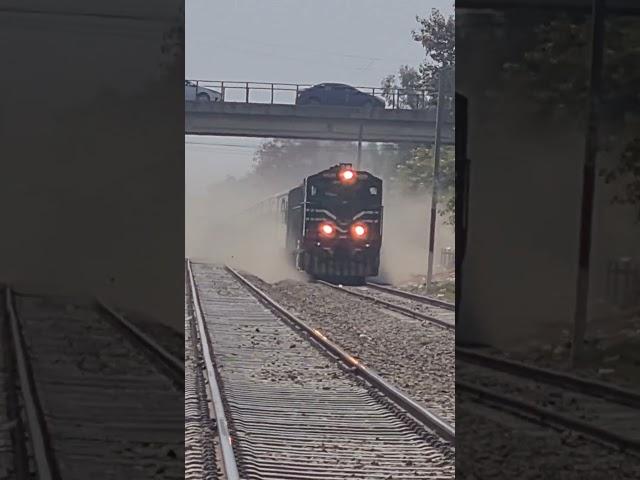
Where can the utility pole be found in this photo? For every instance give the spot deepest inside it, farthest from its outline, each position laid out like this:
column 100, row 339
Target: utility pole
column 462, row 193
column 589, row 179
column 359, row 157
column 436, row 173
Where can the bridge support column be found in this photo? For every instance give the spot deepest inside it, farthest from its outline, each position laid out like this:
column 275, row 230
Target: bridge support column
column 359, row 155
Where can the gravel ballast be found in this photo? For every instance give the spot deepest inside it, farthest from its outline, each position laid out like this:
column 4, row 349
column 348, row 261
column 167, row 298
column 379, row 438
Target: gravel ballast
column 490, row 444
column 418, row 358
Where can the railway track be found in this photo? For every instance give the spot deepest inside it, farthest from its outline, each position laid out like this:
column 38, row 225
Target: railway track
column 423, row 361
column 201, row 458
column 416, row 306
column 412, row 296
column 91, row 393
column 290, row 404
column 603, row 412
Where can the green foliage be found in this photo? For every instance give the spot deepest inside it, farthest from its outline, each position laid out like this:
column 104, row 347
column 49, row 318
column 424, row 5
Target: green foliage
column 554, row 71
column 281, row 163
column 627, row 173
column 408, row 81
column 415, row 176
column 437, row 35
column 172, row 47
column 414, row 165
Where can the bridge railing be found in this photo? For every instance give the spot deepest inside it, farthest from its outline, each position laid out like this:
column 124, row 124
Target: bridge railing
column 286, row 93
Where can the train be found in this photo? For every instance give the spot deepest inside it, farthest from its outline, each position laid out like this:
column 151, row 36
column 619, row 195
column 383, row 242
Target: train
column 334, row 224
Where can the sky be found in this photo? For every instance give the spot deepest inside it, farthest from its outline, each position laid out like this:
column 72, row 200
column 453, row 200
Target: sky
column 357, row 42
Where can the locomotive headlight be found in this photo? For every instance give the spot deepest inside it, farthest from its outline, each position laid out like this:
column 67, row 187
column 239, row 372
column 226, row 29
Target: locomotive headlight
column 327, row 230
column 347, row 176
column 359, row 230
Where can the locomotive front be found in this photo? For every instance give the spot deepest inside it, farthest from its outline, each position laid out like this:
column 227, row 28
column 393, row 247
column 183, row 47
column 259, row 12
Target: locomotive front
column 335, row 220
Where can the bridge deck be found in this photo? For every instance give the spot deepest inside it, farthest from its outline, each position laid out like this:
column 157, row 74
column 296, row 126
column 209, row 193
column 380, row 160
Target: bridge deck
column 313, row 122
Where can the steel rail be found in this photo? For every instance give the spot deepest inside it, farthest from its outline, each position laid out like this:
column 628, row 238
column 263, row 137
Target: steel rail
column 392, row 306
column 226, row 445
column 596, row 388
column 144, row 338
column 38, row 434
column 175, row 365
column 418, row 411
column 550, row 417
column 412, row 296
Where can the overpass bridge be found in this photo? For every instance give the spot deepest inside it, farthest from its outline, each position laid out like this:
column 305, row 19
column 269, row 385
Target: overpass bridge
column 250, row 117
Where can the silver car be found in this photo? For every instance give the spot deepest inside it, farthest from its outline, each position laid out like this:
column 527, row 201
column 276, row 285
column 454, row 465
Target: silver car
column 194, row 92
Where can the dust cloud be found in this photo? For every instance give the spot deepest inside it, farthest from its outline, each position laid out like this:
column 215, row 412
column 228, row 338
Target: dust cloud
column 225, row 226
column 405, row 238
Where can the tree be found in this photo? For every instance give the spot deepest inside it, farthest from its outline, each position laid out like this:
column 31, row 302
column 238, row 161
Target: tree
column 403, row 90
column 553, row 69
column 627, row 173
column 414, row 164
column 438, row 37
column 281, row 163
column 415, row 176
column 172, row 47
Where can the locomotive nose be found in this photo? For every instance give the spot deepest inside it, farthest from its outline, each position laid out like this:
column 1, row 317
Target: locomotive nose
column 342, row 251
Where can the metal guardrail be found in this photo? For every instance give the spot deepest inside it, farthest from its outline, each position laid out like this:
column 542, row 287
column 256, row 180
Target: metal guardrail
column 287, row 93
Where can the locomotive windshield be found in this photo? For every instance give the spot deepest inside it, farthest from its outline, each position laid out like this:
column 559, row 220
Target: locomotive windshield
column 330, row 193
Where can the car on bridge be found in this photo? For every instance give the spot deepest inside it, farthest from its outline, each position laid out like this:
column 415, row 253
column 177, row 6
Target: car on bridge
column 338, row 94
column 194, row 92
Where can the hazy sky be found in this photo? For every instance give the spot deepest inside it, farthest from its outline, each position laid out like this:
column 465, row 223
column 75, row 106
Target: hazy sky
column 292, row 41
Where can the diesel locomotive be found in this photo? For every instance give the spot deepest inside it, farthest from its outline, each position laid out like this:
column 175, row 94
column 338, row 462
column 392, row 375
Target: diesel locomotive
column 334, row 224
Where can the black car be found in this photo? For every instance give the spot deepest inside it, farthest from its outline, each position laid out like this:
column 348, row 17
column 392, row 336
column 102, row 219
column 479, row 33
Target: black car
column 337, row 94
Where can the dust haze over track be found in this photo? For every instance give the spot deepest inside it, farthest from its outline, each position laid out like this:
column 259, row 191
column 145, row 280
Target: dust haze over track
column 220, row 228
column 353, row 53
